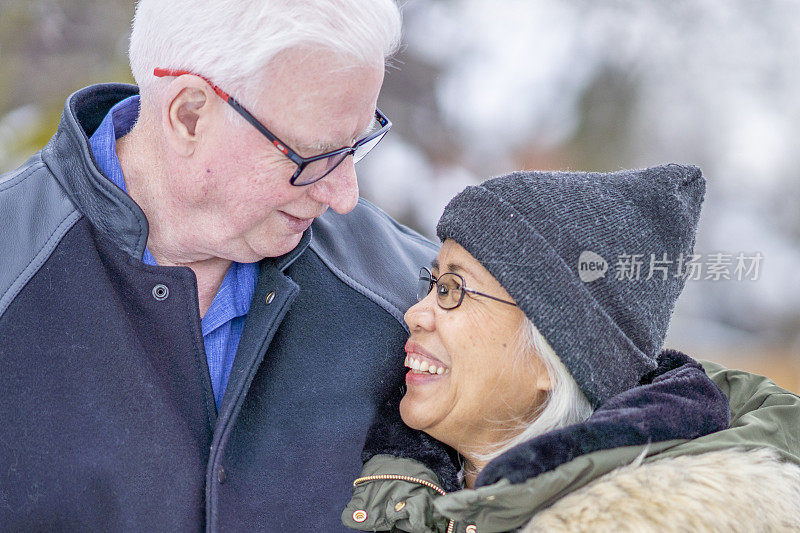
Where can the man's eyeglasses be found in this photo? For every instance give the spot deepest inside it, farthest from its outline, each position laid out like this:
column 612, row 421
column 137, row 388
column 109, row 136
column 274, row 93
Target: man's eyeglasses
column 450, row 289
column 309, row 169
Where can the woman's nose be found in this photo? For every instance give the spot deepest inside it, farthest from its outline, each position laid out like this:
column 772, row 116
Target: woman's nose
column 421, row 315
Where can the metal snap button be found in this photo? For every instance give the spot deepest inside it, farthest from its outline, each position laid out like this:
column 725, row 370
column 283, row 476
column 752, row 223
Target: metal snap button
column 472, row 529
column 270, row 297
column 359, row 516
column 221, row 475
column 160, row 292
column 399, row 506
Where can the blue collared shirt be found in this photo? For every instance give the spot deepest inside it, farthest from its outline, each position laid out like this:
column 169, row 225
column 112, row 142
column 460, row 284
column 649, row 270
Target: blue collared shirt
column 223, row 322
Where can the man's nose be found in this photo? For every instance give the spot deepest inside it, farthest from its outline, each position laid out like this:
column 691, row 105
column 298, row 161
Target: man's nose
column 339, row 189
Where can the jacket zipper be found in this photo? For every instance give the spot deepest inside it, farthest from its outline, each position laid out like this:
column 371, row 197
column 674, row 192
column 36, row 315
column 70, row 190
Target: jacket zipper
column 392, row 477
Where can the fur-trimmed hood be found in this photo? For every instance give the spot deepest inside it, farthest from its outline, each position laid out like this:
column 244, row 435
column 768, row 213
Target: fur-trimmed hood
column 728, row 491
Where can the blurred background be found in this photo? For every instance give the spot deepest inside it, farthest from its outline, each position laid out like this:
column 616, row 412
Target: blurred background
column 483, row 87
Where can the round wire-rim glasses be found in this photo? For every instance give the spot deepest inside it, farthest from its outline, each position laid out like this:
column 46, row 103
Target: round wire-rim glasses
column 309, row 169
column 450, row 289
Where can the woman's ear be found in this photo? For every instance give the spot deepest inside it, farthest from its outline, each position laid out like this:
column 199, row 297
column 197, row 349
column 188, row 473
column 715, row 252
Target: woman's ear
column 543, row 381
column 530, row 342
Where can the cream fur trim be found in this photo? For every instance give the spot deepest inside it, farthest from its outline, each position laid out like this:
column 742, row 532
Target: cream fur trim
column 726, row 491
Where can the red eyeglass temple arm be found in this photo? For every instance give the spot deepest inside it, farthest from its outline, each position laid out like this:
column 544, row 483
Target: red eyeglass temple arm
column 163, row 72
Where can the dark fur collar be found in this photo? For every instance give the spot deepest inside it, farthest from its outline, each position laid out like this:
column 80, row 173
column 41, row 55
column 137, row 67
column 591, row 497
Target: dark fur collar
column 675, row 401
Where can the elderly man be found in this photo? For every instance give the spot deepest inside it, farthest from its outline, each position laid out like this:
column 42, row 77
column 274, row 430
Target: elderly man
column 190, row 338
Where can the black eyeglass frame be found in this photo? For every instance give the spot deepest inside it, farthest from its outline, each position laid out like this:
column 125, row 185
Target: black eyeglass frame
column 300, row 161
column 427, row 275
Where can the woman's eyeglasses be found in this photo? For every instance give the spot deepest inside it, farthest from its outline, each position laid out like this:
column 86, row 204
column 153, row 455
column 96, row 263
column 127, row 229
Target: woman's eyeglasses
column 450, row 289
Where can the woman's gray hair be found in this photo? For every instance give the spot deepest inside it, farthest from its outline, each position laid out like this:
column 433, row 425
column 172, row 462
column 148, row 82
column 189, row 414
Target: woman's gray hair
column 564, row 405
column 231, row 42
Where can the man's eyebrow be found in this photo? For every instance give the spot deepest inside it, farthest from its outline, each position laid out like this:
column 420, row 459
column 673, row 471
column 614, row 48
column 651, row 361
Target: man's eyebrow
column 321, row 147
column 316, row 148
column 372, row 126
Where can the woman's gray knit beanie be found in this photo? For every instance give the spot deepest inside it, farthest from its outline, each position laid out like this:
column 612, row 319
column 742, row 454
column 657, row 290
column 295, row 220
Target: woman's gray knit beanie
column 566, row 245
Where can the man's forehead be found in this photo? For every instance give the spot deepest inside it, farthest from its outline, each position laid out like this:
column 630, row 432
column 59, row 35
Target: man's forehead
column 306, row 74
column 316, row 100
column 338, row 97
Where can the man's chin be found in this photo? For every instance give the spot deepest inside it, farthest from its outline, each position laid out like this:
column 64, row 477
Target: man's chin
column 275, row 248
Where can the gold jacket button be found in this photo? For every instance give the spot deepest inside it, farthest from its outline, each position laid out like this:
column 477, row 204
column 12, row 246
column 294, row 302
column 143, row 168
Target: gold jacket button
column 399, row 506
column 359, row 516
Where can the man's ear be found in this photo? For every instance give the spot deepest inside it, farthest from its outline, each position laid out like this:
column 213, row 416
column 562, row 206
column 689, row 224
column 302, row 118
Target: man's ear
column 188, row 110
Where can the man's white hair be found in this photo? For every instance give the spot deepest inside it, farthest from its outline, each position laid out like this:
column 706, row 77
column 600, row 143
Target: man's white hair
column 565, row 403
column 232, row 41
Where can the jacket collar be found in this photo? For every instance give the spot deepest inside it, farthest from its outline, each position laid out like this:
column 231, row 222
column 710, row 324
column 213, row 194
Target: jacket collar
column 675, row 401
column 70, row 159
column 284, row 261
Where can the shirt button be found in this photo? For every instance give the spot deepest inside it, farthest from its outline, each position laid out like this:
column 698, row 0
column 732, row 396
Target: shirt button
column 360, row 516
column 270, row 297
column 221, row 475
column 399, row 506
column 160, row 292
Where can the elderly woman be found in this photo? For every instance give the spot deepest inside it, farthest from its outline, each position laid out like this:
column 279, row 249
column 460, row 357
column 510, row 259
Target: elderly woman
column 535, row 361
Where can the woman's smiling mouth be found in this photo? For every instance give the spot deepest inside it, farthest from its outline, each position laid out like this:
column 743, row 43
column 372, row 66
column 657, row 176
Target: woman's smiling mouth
column 419, row 365
column 424, row 367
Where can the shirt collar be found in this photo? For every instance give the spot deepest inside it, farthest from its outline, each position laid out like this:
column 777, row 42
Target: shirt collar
column 117, row 123
column 233, row 297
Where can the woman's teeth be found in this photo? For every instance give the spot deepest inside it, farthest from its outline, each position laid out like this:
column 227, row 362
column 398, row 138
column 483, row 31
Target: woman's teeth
column 421, row 366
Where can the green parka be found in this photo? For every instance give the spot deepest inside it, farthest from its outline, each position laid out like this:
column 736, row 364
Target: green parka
column 745, row 476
